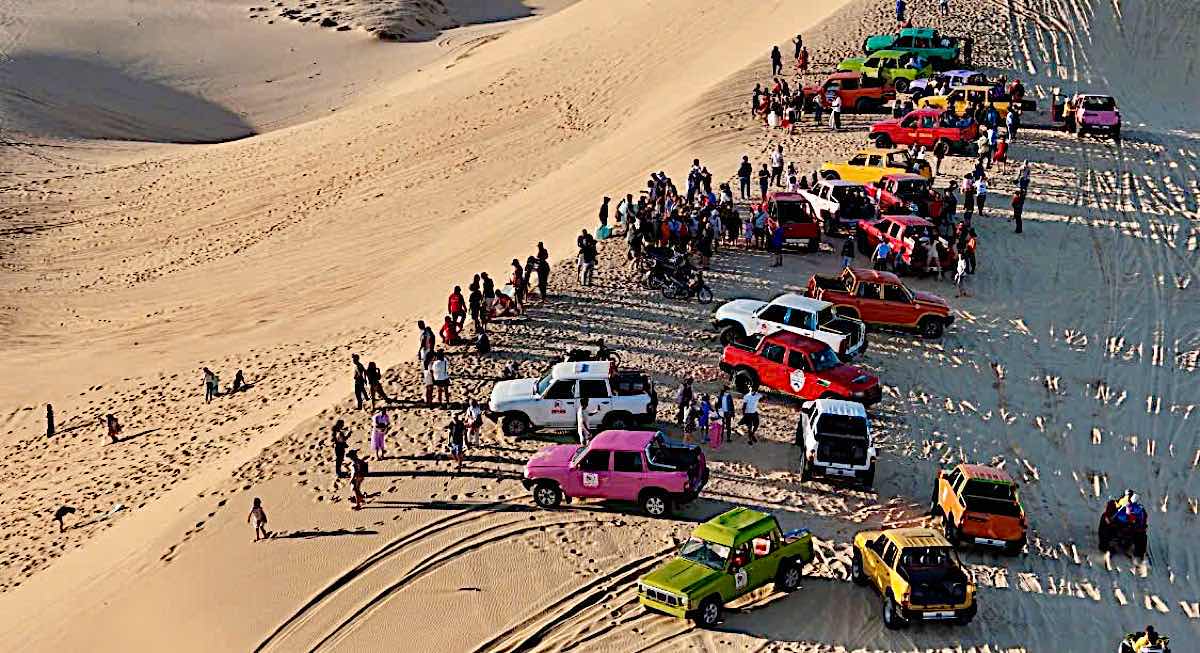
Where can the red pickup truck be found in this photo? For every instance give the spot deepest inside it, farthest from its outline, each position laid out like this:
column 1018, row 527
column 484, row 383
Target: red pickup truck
column 906, row 193
column 912, row 239
column 924, row 127
column 799, row 366
column 859, row 94
column 796, row 214
column 880, row 300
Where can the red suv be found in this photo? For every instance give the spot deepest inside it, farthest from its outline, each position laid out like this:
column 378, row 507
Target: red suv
column 796, row 215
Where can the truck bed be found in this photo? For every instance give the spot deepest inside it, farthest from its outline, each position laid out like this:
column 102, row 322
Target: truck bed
column 824, row 282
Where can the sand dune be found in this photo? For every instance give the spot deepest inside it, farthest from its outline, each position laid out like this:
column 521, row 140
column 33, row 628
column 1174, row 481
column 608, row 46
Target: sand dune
column 130, row 266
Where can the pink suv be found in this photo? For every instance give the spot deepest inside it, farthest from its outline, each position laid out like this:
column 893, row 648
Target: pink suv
column 642, row 466
column 1093, row 113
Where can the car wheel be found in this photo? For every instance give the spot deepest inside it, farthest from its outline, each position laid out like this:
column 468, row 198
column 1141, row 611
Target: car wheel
column 743, row 379
column 547, row 495
column 704, row 295
column 708, row 615
column 891, row 613
column 966, row 617
column 655, row 503
column 789, row 577
column 515, row 426
column 931, row 328
column 1015, row 548
column 856, row 569
column 862, row 105
column 731, row 334
column 617, row 422
column 868, row 477
column 883, row 141
column 950, row 530
column 901, row 85
column 814, row 244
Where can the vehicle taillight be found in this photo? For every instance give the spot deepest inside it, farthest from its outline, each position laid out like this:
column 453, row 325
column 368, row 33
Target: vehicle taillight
column 904, row 598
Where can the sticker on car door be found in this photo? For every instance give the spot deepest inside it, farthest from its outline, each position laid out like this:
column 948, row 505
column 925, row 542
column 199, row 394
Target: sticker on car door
column 591, row 480
column 740, row 578
column 797, row 380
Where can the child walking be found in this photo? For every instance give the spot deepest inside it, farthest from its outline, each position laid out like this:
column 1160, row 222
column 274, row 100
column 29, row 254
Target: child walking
column 259, row 517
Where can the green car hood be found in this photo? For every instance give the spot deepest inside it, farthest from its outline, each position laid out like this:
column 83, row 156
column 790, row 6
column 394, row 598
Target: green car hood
column 681, row 576
column 878, row 42
column 853, row 64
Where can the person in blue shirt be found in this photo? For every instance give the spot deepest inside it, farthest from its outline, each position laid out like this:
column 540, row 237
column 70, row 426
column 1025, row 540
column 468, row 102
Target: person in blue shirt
column 900, row 6
column 777, row 245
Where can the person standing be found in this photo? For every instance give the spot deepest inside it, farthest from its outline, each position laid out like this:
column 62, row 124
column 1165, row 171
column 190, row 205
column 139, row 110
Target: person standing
column 798, row 42
column 49, row 421
column 1023, row 177
column 440, row 367
column 968, row 191
column 972, row 243
column 726, row 412
column 1018, row 206
column 581, row 427
column 949, row 208
column 683, row 398
column 981, row 190
column 777, row 166
column 604, row 212
column 456, row 432
column 750, row 413
column 703, row 416
column 379, row 434
column 940, row 150
column 475, row 307
column 776, row 61
column 375, row 383
column 360, row 381
column 960, row 275
column 847, row 252
column 259, row 517
column 882, row 253
column 900, row 7
column 764, row 180
column 802, row 61
column 777, row 244
column 210, row 385
column 358, row 472
column 835, row 112
column 745, row 171
column 113, row 426
column 517, row 281
column 543, row 277
column 338, row 437
column 449, row 332
column 456, row 306
column 473, row 418
column 944, row 7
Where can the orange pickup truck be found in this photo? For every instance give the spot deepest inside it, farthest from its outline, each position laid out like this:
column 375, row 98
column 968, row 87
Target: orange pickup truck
column 979, row 505
column 881, row 300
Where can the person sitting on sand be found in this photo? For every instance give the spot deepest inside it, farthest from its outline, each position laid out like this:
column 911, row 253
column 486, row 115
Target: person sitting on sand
column 239, row 383
column 259, row 517
column 449, row 332
column 60, row 513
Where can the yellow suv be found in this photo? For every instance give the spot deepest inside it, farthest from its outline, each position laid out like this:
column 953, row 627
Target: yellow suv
column 873, row 163
column 917, row 573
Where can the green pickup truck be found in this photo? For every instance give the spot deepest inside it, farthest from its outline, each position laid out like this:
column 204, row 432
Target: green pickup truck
column 726, row 557
column 940, row 50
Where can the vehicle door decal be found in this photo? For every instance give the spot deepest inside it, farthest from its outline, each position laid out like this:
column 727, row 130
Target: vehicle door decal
column 797, row 380
column 591, row 479
column 557, row 408
column 740, row 578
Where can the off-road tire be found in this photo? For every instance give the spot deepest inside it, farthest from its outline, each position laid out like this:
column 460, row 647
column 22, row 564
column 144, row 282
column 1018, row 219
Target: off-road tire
column 868, row 477
column 931, row 328
column 882, row 141
column 515, row 425
column 857, row 574
column 708, row 615
column 830, row 175
column 743, row 379
column 1015, row 548
column 789, row 577
column 731, row 333
column 891, row 613
column 704, row 295
column 950, row 530
column 618, row 421
column 814, row 244
column 655, row 503
column 901, row 84
column 547, row 495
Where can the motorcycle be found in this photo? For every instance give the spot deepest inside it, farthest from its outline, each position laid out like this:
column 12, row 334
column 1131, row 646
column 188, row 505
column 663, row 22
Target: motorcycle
column 1126, row 645
column 601, row 353
column 662, row 275
column 687, row 288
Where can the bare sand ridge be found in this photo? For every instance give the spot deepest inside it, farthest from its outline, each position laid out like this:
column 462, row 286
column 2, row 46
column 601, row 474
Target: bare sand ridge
column 128, row 266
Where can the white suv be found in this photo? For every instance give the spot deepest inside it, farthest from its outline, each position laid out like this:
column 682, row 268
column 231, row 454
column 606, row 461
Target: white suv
column 616, row 399
column 806, row 316
column 836, row 438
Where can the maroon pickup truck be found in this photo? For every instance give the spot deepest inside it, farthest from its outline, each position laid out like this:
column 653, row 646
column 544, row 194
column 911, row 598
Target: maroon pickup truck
column 923, row 127
column 906, row 193
column 799, row 366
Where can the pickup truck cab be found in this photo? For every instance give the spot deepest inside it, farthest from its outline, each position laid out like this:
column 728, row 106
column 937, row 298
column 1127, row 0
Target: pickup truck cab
column 840, row 204
column 913, row 240
column 896, row 68
column 1097, row 114
column 904, row 193
column 799, row 366
column 859, row 94
column 964, row 97
column 795, row 313
column 880, row 299
column 979, row 505
column 916, row 572
column 835, row 437
column 641, row 466
column 726, row 557
column 940, row 49
column 871, row 164
column 951, row 78
column 799, row 220
column 925, row 128
column 616, row 399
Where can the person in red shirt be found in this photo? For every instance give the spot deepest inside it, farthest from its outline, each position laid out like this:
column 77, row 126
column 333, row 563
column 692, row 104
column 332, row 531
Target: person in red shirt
column 450, row 332
column 456, row 306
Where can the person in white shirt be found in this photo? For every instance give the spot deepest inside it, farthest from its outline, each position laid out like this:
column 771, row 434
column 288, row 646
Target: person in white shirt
column 981, row 189
column 835, row 112
column 473, row 416
column 777, row 165
column 440, row 369
column 750, row 413
column 581, row 416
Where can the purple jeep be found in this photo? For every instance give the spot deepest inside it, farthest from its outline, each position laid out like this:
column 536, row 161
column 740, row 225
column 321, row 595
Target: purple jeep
column 642, row 466
column 1097, row 114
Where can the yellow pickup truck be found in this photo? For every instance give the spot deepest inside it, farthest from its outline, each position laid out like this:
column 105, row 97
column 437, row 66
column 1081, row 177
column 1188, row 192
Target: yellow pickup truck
column 873, row 163
column 917, row 573
column 964, row 97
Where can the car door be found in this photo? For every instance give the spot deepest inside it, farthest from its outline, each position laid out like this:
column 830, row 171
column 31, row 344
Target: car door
column 772, row 370
column 870, row 302
column 629, row 475
column 741, row 573
column 800, row 321
column 887, row 563
column 557, row 407
column 897, row 305
column 594, row 473
column 599, row 402
column 770, row 318
column 765, row 562
column 872, row 560
column 800, row 379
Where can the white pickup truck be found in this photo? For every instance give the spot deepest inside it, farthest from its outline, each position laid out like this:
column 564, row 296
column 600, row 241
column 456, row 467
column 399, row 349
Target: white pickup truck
column 795, row 313
column 616, row 399
column 835, row 436
column 840, row 204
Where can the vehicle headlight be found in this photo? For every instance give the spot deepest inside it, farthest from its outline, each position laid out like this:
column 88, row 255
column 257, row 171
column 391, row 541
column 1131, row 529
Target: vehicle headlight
column 857, row 394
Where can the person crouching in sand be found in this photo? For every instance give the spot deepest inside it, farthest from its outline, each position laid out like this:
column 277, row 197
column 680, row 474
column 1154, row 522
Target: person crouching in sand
column 259, row 517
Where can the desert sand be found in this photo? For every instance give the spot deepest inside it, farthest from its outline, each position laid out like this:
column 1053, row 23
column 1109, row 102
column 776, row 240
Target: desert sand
column 212, row 183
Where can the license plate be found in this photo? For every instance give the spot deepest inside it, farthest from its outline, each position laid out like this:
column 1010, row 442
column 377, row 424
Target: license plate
column 989, row 541
column 834, row 471
column 940, row 614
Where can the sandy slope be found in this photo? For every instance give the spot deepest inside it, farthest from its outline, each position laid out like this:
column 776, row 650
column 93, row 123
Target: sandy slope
column 1074, row 364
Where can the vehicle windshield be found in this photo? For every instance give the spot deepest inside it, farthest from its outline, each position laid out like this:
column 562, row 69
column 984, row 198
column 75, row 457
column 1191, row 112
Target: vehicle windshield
column 824, row 360
column 709, row 554
column 1099, row 104
column 919, row 232
column 851, row 425
column 991, row 498
column 791, row 211
column 543, row 384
